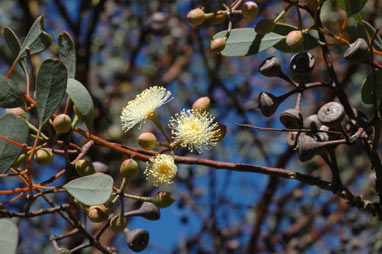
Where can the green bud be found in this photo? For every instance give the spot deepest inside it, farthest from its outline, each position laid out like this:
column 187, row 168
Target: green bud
column 62, row 124
column 202, row 104
column 196, row 16
column 84, row 168
column 294, row 39
column 129, row 169
column 43, row 156
column 249, row 10
column 118, row 223
column 97, row 213
column 147, row 141
column 218, row 45
column 163, row 199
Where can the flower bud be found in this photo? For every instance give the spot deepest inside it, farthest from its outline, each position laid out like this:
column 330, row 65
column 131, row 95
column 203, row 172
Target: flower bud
column 217, row 19
column 97, row 213
column 270, row 67
column 218, row 45
column 268, row 103
column 147, row 141
column 264, row 26
column 202, row 104
column 16, row 111
column 294, row 39
column 118, row 223
column 84, row 168
column 62, row 124
column 249, row 10
column 129, row 169
column 221, row 132
column 137, row 239
column 196, row 16
column 163, row 199
column 43, row 156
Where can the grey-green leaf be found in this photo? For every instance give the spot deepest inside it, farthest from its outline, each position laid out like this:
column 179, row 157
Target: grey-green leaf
column 67, row 53
column 92, row 189
column 9, row 236
column 367, row 87
column 14, row 45
column 83, row 101
column 36, row 41
column 16, row 129
column 310, row 42
column 245, row 42
column 350, row 6
column 10, row 96
column 52, row 78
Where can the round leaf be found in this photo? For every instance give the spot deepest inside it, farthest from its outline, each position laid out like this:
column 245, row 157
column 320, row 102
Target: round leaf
column 367, row 87
column 9, row 236
column 15, row 129
column 91, row 190
column 283, row 29
column 245, row 42
column 10, row 96
column 52, row 78
column 82, row 99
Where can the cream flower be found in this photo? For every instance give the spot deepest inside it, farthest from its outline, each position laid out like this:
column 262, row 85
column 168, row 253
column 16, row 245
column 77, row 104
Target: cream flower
column 143, row 106
column 161, row 169
column 194, row 129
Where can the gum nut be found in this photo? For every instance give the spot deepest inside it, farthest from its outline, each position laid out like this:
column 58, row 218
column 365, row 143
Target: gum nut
column 302, row 62
column 331, row 114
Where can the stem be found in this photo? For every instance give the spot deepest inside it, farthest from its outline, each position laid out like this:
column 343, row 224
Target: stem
column 282, row 14
column 159, row 125
column 12, row 68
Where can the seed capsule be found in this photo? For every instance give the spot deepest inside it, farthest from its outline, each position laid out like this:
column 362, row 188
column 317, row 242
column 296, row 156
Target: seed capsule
column 137, row 239
column 268, row 103
column 302, row 62
column 147, row 210
column 291, row 118
column 308, row 147
column 312, row 122
column 331, row 114
column 270, row 67
column 358, row 52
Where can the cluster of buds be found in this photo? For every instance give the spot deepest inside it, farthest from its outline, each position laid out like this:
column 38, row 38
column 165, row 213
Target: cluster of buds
column 249, row 10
